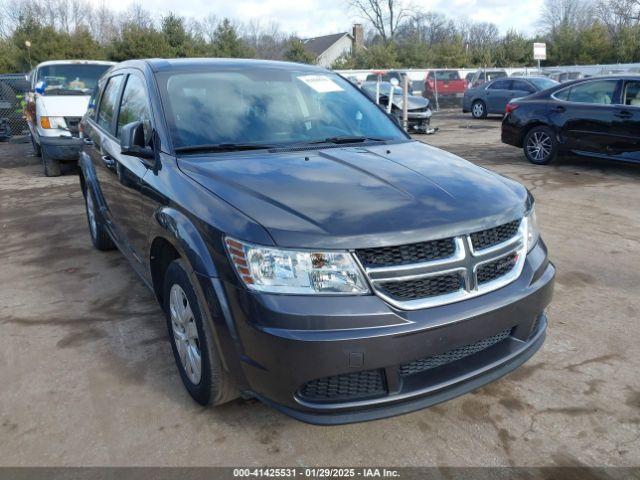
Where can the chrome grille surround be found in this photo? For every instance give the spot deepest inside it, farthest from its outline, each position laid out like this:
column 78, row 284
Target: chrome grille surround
column 465, row 260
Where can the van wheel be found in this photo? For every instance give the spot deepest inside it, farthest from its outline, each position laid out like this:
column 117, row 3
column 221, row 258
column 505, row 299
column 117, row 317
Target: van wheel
column 540, row 145
column 51, row 166
column 192, row 341
column 478, row 109
column 37, row 151
column 99, row 236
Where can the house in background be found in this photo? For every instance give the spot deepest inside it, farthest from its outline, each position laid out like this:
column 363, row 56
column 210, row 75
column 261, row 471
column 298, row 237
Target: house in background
column 328, row 48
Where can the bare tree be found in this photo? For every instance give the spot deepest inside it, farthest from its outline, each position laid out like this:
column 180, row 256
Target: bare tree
column 386, row 16
column 265, row 39
column 618, row 14
column 577, row 14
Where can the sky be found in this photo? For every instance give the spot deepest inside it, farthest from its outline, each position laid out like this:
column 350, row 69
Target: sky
column 308, row 18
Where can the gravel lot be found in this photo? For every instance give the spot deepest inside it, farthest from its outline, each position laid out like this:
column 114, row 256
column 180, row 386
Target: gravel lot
column 87, row 376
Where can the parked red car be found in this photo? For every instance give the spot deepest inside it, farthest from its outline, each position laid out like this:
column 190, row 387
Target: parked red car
column 447, row 84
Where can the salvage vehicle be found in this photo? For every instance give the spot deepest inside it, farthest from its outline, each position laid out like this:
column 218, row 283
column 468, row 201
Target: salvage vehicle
column 58, row 98
column 597, row 117
column 482, row 76
column 446, row 85
column 419, row 110
column 306, row 251
column 492, row 97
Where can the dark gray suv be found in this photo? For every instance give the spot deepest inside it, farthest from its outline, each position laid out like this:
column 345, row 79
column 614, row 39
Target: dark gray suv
column 305, row 250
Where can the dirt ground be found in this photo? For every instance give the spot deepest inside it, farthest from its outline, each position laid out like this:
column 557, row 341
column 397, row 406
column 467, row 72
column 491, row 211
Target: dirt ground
column 87, row 376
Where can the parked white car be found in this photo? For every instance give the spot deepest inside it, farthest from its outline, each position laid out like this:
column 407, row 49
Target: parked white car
column 59, row 96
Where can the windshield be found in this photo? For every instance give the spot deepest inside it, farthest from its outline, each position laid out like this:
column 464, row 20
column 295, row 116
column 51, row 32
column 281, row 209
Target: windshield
column 542, row 83
column 70, row 78
column 268, row 106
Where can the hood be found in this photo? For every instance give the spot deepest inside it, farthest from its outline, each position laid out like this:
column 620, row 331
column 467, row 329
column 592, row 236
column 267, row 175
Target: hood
column 62, row 105
column 358, row 197
column 413, row 102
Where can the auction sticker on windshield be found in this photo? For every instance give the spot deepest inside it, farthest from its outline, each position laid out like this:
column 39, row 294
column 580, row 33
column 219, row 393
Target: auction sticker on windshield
column 321, row 83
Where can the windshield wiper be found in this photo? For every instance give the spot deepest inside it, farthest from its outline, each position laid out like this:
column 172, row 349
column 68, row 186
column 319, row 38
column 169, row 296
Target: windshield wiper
column 223, row 147
column 348, row 139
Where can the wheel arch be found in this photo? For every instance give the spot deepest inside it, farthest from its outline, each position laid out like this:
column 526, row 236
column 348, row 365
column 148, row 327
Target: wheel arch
column 173, row 235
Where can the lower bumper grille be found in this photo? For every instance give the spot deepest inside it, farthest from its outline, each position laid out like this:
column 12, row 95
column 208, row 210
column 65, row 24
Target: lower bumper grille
column 427, row 363
column 349, row 386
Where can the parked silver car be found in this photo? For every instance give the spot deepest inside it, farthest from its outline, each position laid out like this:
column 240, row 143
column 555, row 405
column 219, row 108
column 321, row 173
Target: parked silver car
column 493, row 96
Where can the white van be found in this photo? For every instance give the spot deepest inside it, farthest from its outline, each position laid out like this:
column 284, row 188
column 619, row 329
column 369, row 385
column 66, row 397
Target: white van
column 58, row 98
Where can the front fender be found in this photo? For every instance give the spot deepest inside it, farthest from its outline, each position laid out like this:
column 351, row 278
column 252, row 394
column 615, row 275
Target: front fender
column 175, row 227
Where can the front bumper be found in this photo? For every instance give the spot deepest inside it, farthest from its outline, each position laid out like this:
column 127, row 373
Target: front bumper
column 62, row 147
column 289, row 342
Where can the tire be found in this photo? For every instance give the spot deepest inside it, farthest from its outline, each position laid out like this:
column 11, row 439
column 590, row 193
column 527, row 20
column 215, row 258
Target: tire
column 540, row 146
column 37, row 151
column 192, row 341
column 99, row 235
column 51, row 166
column 478, row 109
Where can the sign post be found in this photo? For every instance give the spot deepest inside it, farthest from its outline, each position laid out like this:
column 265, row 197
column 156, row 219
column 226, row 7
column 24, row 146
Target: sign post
column 539, row 53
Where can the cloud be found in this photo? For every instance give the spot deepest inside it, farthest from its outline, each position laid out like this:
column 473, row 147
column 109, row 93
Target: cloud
column 319, row 17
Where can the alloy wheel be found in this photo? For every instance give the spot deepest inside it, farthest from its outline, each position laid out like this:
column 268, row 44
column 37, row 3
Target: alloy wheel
column 539, row 146
column 478, row 110
column 185, row 333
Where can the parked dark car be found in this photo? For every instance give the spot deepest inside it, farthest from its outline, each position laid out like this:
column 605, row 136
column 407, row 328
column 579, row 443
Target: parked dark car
column 492, row 97
column 595, row 117
column 419, row 110
column 481, row 76
column 388, row 75
column 307, row 252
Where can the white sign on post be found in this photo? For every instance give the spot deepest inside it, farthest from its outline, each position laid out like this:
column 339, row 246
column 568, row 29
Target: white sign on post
column 539, row 51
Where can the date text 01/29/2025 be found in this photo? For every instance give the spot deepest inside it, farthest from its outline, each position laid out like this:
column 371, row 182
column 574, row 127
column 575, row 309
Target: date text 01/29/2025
column 306, row 472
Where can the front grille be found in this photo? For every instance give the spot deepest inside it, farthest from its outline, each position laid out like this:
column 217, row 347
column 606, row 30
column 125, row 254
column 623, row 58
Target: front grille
column 427, row 363
column 493, row 236
column 424, row 287
column 349, row 386
column 407, row 254
column 496, row 268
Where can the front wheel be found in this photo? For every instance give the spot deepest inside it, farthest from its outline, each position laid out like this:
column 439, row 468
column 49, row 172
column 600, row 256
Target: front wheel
column 540, row 145
column 192, row 341
column 479, row 109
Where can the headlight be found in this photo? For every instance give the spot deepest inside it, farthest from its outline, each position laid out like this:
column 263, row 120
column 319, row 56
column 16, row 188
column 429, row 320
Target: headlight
column 53, row 122
column 273, row 270
column 532, row 229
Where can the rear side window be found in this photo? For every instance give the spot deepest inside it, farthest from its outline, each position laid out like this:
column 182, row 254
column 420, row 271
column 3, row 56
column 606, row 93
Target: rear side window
column 522, row 86
column 108, row 103
column 598, row 93
column 135, row 106
column 500, row 85
column 632, row 94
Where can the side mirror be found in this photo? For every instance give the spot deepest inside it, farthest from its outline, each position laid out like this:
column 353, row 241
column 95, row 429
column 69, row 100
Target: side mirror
column 132, row 141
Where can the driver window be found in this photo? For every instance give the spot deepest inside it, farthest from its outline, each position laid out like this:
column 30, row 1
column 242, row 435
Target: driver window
column 135, row 106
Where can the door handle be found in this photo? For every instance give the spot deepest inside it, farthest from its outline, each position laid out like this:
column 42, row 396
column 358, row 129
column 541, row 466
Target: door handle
column 558, row 109
column 623, row 114
column 108, row 161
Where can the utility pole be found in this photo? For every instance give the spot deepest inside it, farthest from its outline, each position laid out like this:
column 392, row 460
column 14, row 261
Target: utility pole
column 405, row 102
